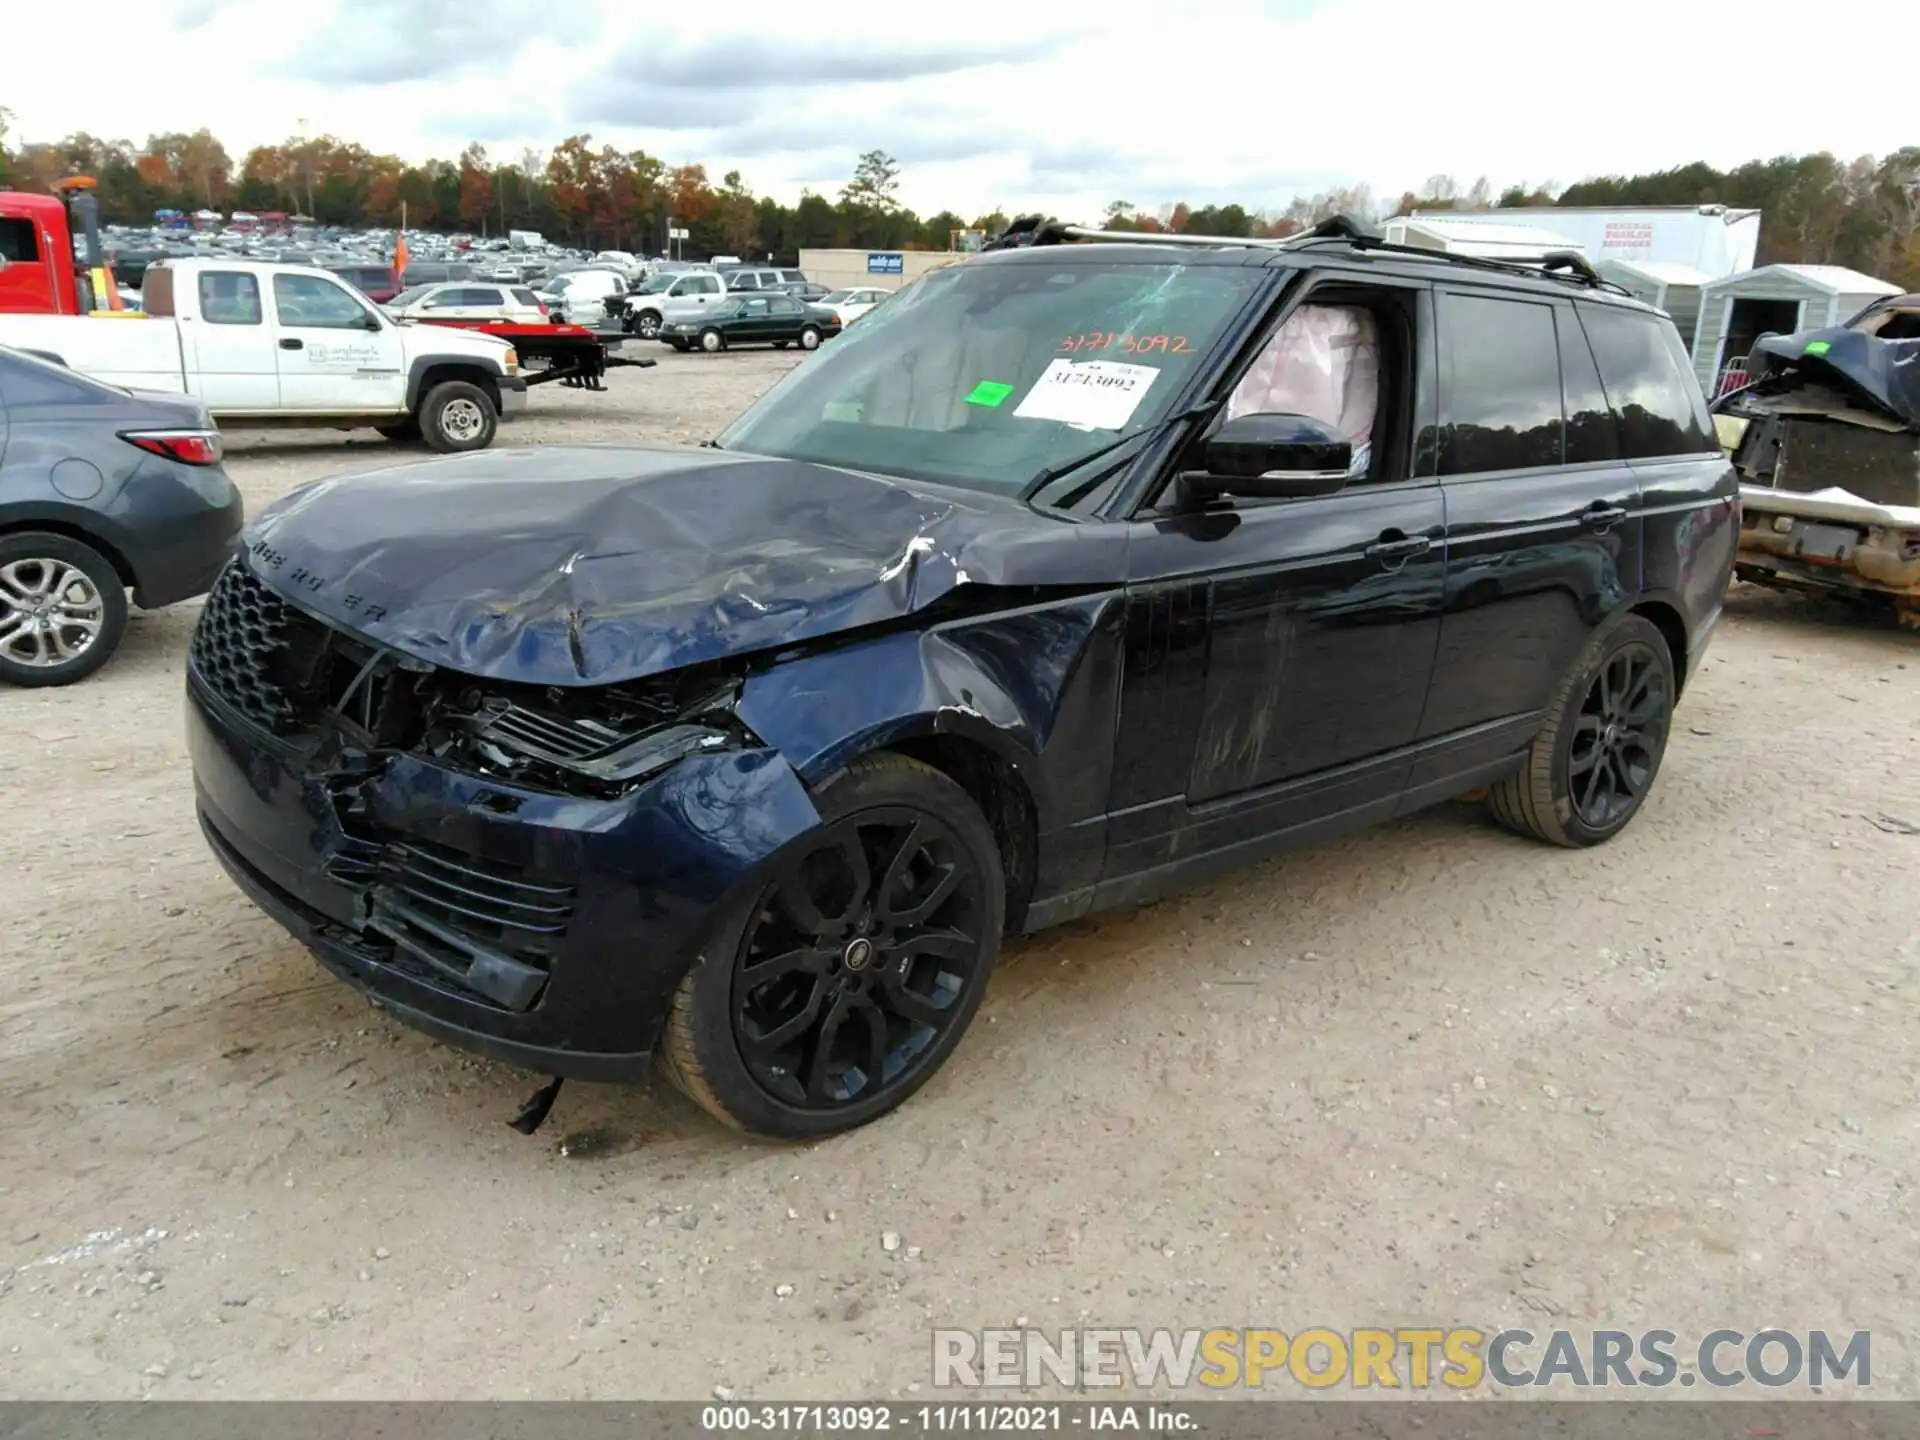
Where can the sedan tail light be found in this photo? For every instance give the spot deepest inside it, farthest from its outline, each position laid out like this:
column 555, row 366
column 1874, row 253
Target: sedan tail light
column 189, row 447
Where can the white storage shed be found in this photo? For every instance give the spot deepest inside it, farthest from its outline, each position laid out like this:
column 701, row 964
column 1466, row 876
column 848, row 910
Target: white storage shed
column 1773, row 300
column 1490, row 242
column 1713, row 238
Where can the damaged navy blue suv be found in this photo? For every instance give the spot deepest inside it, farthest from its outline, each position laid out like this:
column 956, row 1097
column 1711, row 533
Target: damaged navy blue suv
column 1077, row 571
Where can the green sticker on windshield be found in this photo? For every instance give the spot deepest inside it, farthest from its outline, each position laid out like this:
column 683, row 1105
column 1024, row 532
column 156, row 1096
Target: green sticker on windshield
column 1818, row 347
column 989, row 393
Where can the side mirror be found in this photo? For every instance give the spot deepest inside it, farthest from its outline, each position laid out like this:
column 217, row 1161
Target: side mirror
column 372, row 322
column 1272, row 457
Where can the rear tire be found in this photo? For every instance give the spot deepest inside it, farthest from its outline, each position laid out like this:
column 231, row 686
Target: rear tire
column 647, row 324
column 406, row 432
column 1595, row 761
column 63, row 609
column 809, row 339
column 935, row 933
column 457, row 417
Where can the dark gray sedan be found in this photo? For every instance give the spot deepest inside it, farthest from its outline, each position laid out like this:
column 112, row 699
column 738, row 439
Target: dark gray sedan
column 102, row 491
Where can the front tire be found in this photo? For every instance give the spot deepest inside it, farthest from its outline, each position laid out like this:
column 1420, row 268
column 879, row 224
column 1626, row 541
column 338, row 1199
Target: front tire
column 1594, row 762
column 829, row 995
column 63, row 609
column 712, row 341
column 809, row 339
column 457, row 417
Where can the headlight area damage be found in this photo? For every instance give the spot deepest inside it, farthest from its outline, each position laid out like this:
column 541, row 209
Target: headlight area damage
column 466, row 851
column 1827, row 442
column 600, row 742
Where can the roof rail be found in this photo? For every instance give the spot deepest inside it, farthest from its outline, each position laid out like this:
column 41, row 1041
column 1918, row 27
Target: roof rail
column 1568, row 265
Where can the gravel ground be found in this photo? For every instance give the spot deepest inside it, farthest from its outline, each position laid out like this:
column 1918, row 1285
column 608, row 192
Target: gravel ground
column 1429, row 1074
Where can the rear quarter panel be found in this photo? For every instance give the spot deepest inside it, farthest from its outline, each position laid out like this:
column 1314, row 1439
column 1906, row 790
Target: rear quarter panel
column 1691, row 532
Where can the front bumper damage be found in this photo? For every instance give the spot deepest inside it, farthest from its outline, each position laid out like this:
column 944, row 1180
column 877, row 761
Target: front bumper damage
column 546, row 929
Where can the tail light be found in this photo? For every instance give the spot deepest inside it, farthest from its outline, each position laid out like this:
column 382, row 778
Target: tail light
column 543, row 308
column 189, row 447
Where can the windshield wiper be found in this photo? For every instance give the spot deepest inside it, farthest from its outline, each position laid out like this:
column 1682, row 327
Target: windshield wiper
column 1054, row 472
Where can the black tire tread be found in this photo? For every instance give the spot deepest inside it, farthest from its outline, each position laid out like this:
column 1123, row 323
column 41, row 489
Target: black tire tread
column 679, row 1053
column 1523, row 802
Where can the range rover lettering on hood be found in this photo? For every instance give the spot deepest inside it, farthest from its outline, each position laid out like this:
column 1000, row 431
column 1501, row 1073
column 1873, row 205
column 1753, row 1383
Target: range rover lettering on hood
column 589, row 566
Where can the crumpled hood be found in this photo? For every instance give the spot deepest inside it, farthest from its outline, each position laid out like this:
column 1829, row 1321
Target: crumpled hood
column 589, row 565
column 1885, row 373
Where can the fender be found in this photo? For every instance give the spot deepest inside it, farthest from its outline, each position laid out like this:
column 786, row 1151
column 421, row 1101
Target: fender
column 1035, row 686
column 418, row 367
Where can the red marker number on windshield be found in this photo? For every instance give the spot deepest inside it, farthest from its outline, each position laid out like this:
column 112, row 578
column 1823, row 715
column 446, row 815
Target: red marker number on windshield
column 1124, row 344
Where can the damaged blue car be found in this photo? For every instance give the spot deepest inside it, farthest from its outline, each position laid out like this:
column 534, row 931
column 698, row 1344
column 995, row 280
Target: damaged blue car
column 1076, row 572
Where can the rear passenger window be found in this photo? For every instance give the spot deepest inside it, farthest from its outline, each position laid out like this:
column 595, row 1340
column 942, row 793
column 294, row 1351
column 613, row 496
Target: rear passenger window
column 1500, row 385
column 527, row 298
column 1591, row 434
column 1653, row 393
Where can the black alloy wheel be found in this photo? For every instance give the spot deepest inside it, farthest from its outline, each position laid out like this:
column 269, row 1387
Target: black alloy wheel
column 1594, row 761
column 1618, row 737
column 843, row 982
column 858, row 959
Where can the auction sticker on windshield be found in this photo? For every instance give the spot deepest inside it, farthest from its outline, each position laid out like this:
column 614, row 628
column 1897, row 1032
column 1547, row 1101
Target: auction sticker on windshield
column 1090, row 394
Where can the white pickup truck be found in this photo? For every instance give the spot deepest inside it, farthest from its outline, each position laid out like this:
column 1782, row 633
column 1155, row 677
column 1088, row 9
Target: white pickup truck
column 287, row 345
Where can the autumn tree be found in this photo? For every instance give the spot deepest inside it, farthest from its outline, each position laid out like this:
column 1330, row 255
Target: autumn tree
column 571, row 182
column 739, row 216
column 476, row 186
column 875, row 183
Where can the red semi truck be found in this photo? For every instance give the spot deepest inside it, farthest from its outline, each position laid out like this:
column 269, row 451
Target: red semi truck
column 38, row 272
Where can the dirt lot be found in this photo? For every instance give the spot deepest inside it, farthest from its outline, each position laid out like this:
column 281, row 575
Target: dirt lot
column 1432, row 1074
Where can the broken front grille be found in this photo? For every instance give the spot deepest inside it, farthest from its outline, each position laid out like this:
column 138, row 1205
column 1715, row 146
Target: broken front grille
column 490, row 927
column 243, row 632
column 287, row 672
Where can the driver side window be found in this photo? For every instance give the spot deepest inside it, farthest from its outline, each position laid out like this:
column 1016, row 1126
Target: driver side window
column 1343, row 358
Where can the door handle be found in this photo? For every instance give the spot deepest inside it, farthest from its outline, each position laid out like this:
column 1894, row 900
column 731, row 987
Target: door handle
column 1600, row 515
column 1393, row 545
column 292, row 345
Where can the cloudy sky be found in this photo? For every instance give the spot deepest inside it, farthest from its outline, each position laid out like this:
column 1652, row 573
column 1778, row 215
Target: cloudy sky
column 1010, row 104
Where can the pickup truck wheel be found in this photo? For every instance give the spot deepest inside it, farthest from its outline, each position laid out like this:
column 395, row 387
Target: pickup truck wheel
column 457, row 416
column 407, row 430
column 712, row 341
column 647, row 324
column 809, row 339
column 62, row 609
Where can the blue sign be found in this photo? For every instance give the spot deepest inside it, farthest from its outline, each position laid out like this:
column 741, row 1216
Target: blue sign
column 886, row 264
